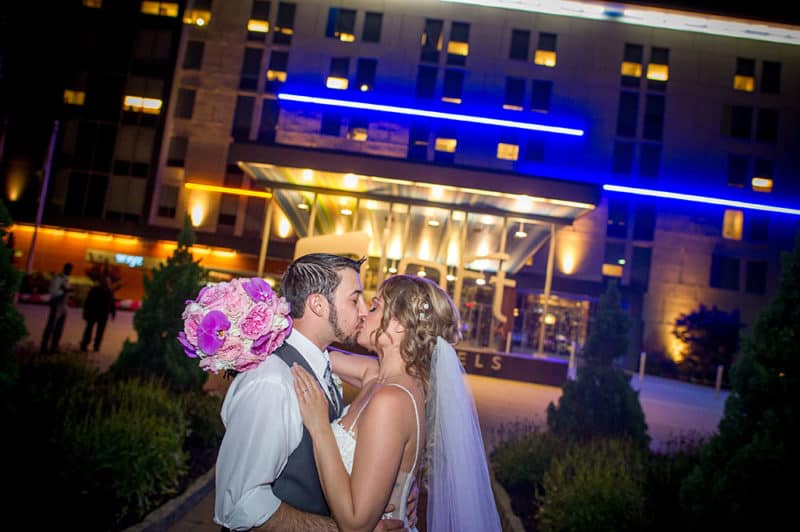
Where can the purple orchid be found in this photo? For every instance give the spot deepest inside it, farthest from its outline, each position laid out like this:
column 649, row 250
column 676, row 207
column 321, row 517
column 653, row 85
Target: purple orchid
column 212, row 331
column 258, row 289
column 188, row 348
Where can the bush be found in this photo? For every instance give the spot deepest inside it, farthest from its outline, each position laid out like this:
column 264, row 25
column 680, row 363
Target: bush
column 520, row 464
column 123, row 453
column 204, row 425
column 595, row 486
column 599, row 403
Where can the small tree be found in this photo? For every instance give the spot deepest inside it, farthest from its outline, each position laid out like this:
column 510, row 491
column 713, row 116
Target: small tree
column 711, row 339
column 156, row 352
column 741, row 481
column 12, row 323
column 601, row 401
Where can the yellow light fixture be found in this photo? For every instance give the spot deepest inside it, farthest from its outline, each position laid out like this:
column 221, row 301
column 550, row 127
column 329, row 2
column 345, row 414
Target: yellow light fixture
column 520, row 232
column 228, row 190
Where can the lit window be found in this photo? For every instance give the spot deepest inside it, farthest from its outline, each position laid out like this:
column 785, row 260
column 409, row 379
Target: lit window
column 546, row 50
column 632, row 70
column 431, row 40
column 72, row 97
column 164, row 9
column 762, row 184
column 139, row 104
column 278, row 64
column 458, row 48
column 357, row 129
column 258, row 26
column 612, row 270
column 745, row 77
column 445, row 145
column 197, row 17
column 341, row 24
column 658, row 72
column 334, row 82
column 507, row 152
column 276, row 75
column 93, row 3
column 732, row 224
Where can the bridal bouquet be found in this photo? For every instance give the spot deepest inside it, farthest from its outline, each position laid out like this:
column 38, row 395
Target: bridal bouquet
column 235, row 325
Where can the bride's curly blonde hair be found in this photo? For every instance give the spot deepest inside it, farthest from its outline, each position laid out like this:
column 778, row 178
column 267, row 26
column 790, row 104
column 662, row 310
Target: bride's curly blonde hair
column 425, row 311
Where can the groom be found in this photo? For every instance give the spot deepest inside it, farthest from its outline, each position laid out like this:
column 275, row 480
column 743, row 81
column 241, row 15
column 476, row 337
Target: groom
column 265, row 475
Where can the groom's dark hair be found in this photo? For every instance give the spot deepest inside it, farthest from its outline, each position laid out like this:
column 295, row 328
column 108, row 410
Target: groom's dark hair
column 314, row 273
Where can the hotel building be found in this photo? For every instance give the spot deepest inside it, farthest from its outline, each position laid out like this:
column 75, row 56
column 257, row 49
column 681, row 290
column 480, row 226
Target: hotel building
column 520, row 153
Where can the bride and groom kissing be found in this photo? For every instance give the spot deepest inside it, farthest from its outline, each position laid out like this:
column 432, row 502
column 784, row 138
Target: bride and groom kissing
column 295, row 458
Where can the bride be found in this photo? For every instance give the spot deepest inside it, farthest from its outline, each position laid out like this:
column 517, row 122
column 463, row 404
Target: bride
column 413, row 417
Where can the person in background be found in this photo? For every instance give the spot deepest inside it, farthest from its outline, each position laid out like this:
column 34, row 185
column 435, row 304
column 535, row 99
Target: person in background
column 60, row 289
column 98, row 306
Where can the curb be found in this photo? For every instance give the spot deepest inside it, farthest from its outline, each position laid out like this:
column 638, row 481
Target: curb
column 160, row 519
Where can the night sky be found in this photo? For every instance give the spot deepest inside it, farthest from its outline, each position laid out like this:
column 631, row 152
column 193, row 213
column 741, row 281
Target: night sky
column 767, row 10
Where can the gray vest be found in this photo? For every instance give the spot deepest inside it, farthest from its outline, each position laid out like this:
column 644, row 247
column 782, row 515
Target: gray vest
column 298, row 484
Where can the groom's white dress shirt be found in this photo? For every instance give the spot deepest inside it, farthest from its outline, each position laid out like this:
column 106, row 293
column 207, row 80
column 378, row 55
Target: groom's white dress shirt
column 262, row 427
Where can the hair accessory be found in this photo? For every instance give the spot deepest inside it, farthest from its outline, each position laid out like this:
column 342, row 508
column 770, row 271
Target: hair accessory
column 425, row 306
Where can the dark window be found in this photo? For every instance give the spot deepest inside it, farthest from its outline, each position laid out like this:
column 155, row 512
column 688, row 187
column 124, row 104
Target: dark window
column 418, row 139
column 122, row 167
column 340, row 67
column 764, row 168
column 458, row 48
column 184, row 106
column 649, row 160
column 243, row 117
column 453, row 85
column 251, row 67
column 365, row 74
column 540, row 95
column 640, row 267
column 757, row 228
column 623, row 157
column 724, row 272
column 139, row 169
column 520, row 44
column 270, row 111
column 431, row 40
column 737, row 170
column 331, row 124
column 426, row 81
column 534, row 151
column 644, row 221
column 627, row 115
column 745, row 67
column 372, row 27
column 737, row 121
column 614, row 253
column 634, row 53
column 76, row 194
column 547, row 42
column 515, row 94
column 168, row 201
column 756, row 282
column 771, row 77
column 96, row 195
column 193, row 59
column 260, row 10
column 654, row 117
column 284, row 23
column 341, row 24
column 617, row 219
column 767, row 126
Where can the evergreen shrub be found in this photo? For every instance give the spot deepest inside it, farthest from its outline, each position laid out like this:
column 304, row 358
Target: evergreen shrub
column 595, row 486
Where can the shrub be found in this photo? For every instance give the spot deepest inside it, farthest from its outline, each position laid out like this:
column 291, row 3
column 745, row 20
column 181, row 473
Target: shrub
column 595, row 486
column 599, row 403
column 123, row 454
column 710, row 337
column 204, row 425
column 12, row 324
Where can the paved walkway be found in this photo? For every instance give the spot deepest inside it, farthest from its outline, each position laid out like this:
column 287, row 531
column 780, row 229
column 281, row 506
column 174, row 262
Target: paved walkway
column 671, row 408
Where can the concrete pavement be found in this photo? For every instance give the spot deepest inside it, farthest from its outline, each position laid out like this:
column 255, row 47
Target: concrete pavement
column 672, row 409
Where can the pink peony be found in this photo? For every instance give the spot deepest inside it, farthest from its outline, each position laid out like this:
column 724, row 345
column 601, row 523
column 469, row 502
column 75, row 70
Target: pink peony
column 236, row 302
column 230, row 351
column 258, row 321
column 213, row 296
column 190, row 325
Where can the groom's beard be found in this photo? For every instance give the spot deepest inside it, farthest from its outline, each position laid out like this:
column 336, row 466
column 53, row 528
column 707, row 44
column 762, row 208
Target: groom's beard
column 341, row 336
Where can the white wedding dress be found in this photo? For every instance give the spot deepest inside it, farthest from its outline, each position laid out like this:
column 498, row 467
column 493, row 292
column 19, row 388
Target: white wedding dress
column 346, row 440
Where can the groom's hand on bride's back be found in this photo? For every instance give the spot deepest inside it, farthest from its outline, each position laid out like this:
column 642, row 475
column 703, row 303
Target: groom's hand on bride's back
column 385, row 525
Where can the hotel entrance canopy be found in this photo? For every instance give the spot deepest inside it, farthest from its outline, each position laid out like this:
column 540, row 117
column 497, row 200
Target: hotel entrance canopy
column 489, row 221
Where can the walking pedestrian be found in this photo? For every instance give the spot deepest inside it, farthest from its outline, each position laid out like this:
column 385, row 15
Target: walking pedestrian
column 60, row 289
column 96, row 309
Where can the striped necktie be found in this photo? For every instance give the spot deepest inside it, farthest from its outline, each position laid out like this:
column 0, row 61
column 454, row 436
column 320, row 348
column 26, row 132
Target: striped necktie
column 331, row 387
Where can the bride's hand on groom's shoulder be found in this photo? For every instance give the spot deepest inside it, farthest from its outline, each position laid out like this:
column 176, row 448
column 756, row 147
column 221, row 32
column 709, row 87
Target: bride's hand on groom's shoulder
column 312, row 400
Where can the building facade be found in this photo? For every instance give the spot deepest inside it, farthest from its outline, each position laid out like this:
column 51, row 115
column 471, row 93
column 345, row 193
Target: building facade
column 521, row 154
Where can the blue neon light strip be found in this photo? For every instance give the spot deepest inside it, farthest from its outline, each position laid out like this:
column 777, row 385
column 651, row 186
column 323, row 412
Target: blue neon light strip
column 700, row 199
column 431, row 114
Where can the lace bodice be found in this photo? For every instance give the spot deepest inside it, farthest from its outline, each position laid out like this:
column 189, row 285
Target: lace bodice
column 346, row 441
